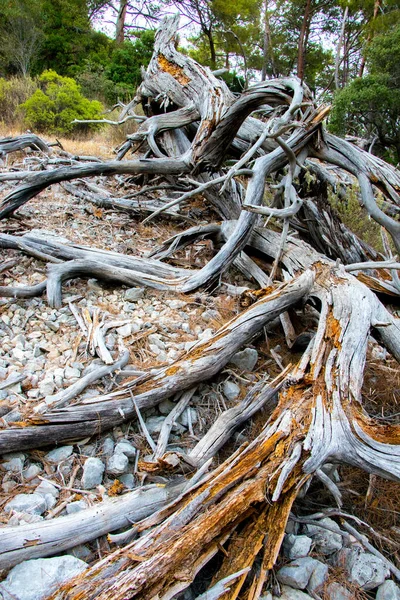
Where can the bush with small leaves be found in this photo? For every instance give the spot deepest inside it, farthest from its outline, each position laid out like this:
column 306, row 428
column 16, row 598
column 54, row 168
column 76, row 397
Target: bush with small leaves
column 56, row 103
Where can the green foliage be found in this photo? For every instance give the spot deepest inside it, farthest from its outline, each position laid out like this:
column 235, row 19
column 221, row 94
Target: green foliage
column 235, row 82
column 57, row 102
column 356, row 218
column 118, row 77
column 370, row 106
column 127, row 59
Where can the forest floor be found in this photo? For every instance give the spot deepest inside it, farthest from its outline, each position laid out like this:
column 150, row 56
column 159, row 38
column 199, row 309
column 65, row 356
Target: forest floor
column 44, row 350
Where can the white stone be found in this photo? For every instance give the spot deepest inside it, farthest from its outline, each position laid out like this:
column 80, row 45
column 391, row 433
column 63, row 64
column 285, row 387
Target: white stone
column 166, row 406
column 363, row 568
column 46, row 387
column 117, row 464
column 289, row 593
column 126, row 448
column 134, row 293
column 13, row 462
column 31, row 472
column 297, row 573
column 125, row 330
column 326, row 542
column 155, row 340
column 34, row 504
column 128, row 479
column 107, row 448
column 318, row 578
column 296, row 546
column 49, row 492
column 335, row 591
column 184, row 418
column 59, row 454
column 93, row 470
column 231, row 390
column 71, row 373
column 45, row 487
column 37, row 579
column 245, row 360
column 154, row 424
column 74, row 507
column 388, row 591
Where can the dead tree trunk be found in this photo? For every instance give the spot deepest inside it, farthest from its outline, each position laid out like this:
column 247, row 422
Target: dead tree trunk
column 319, row 416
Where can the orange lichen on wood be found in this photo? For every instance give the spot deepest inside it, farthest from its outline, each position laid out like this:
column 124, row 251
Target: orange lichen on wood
column 333, row 331
column 384, row 433
column 174, row 70
column 243, row 550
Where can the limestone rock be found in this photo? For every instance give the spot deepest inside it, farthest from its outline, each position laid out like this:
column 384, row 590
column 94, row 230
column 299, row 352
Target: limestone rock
column 388, row 591
column 59, row 454
column 117, row 464
column 34, row 504
column 245, row 360
column 326, row 542
column 93, row 470
column 37, row 579
column 297, row 573
column 296, row 546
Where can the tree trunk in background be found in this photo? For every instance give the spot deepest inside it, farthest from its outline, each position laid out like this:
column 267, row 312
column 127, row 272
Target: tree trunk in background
column 266, row 44
column 339, row 48
column 120, row 25
column 369, row 38
column 305, row 28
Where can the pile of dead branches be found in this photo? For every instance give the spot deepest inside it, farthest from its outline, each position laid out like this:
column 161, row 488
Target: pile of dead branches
column 199, row 140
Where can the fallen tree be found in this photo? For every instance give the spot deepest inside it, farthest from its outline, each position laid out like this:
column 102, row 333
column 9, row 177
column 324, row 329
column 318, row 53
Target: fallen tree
column 274, row 133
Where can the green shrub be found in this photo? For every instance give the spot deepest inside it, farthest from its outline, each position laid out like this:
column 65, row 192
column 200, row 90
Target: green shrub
column 56, row 103
column 13, row 92
column 356, row 217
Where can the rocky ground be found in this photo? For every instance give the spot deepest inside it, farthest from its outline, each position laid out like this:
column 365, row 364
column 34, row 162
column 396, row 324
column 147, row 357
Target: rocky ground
column 43, row 351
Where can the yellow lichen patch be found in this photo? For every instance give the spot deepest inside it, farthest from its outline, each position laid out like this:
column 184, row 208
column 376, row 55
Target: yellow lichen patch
column 116, row 489
column 172, row 370
column 174, row 70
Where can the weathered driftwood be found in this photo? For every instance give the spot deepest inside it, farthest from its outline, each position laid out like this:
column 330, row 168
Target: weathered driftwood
column 319, row 416
column 203, row 361
column 318, row 419
column 28, row 140
column 56, row 535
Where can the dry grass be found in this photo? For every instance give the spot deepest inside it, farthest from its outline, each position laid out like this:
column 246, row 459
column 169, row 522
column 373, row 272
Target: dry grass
column 101, row 143
column 381, row 389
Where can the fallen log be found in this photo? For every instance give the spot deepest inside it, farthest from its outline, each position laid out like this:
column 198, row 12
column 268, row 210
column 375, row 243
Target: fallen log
column 28, row 140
